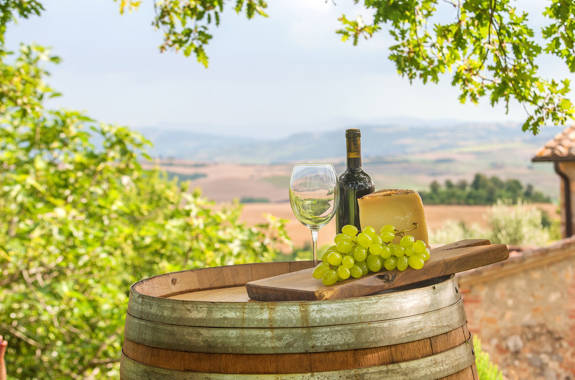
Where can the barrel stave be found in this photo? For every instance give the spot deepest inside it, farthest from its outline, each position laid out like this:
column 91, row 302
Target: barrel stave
column 436, row 366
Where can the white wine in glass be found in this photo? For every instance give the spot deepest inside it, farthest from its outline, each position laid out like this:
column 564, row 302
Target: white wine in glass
column 313, row 197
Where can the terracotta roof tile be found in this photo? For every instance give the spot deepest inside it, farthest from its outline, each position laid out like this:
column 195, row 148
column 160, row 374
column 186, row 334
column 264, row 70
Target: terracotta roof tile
column 561, row 147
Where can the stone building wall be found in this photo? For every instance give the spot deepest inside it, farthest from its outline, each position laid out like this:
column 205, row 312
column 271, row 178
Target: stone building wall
column 523, row 310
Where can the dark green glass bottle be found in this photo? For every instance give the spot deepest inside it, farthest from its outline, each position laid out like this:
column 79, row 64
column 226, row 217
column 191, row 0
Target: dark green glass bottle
column 354, row 183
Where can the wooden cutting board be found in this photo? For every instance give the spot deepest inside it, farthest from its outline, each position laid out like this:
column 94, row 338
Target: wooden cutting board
column 451, row 258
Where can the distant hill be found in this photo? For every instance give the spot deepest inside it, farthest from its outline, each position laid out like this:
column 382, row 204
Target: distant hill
column 405, row 155
column 385, row 140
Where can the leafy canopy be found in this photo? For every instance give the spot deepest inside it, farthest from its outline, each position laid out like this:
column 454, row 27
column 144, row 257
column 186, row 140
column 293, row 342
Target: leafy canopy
column 487, row 47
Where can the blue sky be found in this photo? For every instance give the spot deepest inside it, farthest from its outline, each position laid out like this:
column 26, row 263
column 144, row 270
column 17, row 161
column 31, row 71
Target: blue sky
column 267, row 77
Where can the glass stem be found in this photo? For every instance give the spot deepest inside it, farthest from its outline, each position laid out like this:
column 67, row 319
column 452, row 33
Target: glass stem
column 314, row 233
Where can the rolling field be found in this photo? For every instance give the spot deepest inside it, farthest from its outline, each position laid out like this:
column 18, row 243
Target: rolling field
column 224, row 182
column 268, row 184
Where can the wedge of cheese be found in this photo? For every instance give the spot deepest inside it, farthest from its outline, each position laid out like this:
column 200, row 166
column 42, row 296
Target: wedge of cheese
column 400, row 208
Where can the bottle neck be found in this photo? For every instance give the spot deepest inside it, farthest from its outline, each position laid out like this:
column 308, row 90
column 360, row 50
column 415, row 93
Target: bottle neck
column 353, row 153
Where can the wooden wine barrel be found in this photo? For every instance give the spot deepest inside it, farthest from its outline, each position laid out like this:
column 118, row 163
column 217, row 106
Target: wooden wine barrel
column 200, row 324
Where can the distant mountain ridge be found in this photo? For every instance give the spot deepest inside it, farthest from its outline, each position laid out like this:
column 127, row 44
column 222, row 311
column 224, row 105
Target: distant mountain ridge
column 381, row 140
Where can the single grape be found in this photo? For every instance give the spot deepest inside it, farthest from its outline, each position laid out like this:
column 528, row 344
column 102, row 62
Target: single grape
column 347, row 262
column 369, row 230
column 329, row 277
column 419, row 246
column 330, row 249
column 408, row 251
column 374, row 263
column 425, row 255
column 319, row 270
column 376, row 249
column 390, row 263
column 363, row 266
column 340, row 237
column 416, row 262
column 334, row 258
column 386, row 252
column 387, row 237
column 326, row 255
column 350, row 230
column 359, row 253
column 377, row 240
column 387, row 228
column 355, row 271
column 343, row 273
column 364, row 239
column 407, row 241
column 397, row 250
column 344, row 246
column 402, row 263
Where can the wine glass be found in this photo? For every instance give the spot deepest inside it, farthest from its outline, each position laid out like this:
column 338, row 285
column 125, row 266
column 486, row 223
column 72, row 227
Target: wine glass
column 313, row 197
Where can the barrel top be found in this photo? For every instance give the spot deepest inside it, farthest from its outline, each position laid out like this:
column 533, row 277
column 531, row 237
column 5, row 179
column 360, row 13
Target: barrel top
column 227, row 283
column 170, row 285
column 216, row 297
column 231, row 294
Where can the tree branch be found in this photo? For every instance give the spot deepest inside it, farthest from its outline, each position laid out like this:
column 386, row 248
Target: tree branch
column 20, row 335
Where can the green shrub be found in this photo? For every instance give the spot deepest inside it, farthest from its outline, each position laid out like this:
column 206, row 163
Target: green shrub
column 519, row 224
column 452, row 231
column 554, row 225
column 555, row 230
column 486, row 370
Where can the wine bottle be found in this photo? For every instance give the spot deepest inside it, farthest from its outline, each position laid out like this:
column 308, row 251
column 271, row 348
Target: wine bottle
column 354, row 183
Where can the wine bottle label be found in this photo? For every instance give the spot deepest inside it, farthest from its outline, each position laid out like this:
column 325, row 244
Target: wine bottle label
column 353, row 147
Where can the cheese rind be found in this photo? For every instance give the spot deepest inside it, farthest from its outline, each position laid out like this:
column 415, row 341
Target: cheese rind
column 400, row 208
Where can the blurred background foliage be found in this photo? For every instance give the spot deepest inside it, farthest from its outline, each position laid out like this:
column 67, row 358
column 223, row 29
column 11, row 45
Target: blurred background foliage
column 520, row 224
column 80, row 220
column 486, row 370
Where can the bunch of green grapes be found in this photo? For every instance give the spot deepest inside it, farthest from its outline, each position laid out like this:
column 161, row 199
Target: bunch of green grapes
column 355, row 255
